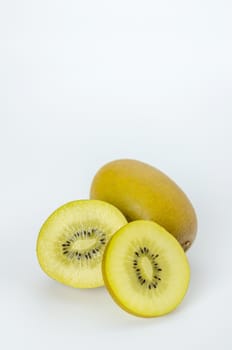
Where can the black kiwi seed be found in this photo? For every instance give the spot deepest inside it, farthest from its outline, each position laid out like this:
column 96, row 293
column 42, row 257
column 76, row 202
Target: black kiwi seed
column 153, row 283
column 69, row 252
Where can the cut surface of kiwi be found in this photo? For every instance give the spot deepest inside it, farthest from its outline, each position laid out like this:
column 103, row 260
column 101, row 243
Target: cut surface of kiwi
column 145, row 269
column 72, row 240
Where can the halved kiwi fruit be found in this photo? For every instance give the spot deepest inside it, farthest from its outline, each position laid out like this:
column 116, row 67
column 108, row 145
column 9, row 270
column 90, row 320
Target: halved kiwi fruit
column 72, row 240
column 145, row 269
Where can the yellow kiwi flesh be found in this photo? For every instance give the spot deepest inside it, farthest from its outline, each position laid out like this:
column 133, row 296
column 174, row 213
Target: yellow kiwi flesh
column 141, row 191
column 72, row 240
column 145, row 269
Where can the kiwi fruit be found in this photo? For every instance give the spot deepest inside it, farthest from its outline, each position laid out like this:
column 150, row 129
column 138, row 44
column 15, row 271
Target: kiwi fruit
column 72, row 240
column 145, row 269
column 141, row 191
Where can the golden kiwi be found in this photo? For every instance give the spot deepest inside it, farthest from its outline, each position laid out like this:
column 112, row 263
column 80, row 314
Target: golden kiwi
column 145, row 269
column 141, row 191
column 72, row 240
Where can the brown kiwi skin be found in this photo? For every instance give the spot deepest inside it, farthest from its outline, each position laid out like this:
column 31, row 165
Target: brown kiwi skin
column 141, row 191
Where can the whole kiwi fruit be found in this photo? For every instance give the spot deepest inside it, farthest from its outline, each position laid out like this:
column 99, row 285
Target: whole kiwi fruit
column 142, row 192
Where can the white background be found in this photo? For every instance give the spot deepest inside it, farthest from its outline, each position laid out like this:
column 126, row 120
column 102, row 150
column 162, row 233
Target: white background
column 86, row 82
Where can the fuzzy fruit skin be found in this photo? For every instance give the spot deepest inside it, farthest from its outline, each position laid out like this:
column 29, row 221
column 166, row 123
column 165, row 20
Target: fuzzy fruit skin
column 141, row 191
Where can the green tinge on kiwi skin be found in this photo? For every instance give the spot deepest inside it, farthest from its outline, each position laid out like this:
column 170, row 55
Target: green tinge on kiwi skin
column 72, row 240
column 141, row 191
column 127, row 286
